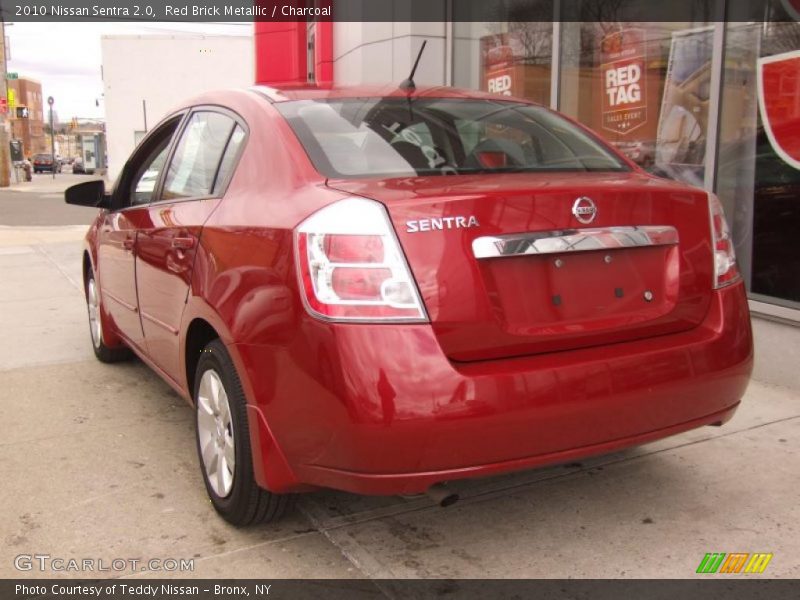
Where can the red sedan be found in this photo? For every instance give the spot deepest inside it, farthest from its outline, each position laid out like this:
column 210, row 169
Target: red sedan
column 382, row 290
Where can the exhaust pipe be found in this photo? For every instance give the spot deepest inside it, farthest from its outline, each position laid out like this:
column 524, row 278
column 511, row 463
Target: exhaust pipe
column 442, row 495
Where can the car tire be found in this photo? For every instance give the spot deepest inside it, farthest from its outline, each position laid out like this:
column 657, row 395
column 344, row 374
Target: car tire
column 104, row 353
column 222, row 434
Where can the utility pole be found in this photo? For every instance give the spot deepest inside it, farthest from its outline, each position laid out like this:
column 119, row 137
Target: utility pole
column 50, row 101
column 5, row 154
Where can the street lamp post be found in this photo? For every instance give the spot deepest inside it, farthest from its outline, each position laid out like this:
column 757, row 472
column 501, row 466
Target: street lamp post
column 50, row 101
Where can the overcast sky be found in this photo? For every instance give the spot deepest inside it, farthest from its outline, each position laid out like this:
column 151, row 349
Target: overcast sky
column 65, row 57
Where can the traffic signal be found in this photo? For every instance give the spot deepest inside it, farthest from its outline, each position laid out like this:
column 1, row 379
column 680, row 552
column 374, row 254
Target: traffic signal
column 22, row 112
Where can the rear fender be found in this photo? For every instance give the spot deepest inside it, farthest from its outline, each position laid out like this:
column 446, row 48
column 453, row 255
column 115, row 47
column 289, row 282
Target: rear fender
column 271, row 470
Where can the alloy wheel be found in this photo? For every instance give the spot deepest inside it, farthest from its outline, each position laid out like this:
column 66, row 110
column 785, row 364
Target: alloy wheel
column 215, row 431
column 93, row 302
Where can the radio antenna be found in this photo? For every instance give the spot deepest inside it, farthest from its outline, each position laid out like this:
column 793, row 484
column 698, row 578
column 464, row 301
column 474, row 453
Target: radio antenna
column 409, row 84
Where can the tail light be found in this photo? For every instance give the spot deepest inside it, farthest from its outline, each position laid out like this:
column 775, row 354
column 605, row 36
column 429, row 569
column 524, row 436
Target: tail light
column 725, row 270
column 351, row 267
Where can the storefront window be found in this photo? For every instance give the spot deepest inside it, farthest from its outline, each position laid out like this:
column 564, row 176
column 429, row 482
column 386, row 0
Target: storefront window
column 645, row 87
column 512, row 59
column 758, row 175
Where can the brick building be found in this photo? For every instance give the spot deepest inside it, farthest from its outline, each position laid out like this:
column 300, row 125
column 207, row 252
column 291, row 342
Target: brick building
column 26, row 114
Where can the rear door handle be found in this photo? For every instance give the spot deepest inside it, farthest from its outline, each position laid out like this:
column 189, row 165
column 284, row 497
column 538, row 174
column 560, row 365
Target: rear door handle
column 128, row 243
column 184, row 243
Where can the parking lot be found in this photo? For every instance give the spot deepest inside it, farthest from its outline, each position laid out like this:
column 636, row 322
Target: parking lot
column 98, row 461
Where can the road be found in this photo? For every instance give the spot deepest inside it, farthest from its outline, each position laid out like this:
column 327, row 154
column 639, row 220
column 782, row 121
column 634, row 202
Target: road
column 41, row 202
column 98, row 461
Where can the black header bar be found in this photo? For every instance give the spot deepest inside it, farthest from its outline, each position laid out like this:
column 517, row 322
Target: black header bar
column 476, row 11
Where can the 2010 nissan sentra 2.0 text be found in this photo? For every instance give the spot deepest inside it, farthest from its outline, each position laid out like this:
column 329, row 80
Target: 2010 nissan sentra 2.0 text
column 381, row 290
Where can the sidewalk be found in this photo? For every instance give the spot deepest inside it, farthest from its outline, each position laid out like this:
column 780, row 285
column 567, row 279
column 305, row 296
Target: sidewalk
column 20, row 240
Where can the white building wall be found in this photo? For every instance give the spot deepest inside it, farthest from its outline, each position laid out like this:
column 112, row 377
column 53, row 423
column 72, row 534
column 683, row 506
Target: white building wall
column 467, row 49
column 385, row 52
column 163, row 71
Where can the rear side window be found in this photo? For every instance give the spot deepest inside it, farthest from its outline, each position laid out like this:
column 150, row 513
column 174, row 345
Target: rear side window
column 229, row 158
column 194, row 165
column 362, row 137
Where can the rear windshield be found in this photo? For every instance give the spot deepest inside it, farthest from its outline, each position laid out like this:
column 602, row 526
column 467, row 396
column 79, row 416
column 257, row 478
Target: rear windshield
column 386, row 137
column 43, row 157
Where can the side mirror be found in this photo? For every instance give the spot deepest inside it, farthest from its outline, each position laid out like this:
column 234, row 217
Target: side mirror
column 88, row 193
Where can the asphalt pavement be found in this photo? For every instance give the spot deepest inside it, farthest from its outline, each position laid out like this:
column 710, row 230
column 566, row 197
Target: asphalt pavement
column 98, row 462
column 40, row 202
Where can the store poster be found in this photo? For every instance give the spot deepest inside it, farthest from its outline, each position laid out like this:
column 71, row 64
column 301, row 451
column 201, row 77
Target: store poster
column 622, row 78
column 683, row 120
column 499, row 73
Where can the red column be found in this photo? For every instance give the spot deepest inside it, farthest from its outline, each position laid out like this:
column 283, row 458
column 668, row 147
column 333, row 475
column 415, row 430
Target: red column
column 280, row 53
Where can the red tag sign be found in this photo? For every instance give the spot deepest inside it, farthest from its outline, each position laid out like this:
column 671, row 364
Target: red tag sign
column 779, row 103
column 622, row 77
column 500, row 81
column 499, row 73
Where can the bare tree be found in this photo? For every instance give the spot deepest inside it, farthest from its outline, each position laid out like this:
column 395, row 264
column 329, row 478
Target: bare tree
column 536, row 41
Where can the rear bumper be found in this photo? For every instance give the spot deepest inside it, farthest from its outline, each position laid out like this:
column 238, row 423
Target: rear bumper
column 418, row 482
column 380, row 409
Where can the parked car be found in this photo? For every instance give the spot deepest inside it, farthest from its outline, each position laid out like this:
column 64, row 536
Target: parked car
column 381, row 290
column 45, row 162
column 77, row 166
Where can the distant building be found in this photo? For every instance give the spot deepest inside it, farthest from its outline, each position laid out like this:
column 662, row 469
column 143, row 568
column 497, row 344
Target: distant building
column 71, row 135
column 26, row 114
column 168, row 69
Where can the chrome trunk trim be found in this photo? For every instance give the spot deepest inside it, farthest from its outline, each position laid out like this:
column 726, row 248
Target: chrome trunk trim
column 574, row 240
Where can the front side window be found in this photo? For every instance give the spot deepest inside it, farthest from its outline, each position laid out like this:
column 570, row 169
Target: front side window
column 193, row 168
column 148, row 163
column 146, row 183
column 438, row 136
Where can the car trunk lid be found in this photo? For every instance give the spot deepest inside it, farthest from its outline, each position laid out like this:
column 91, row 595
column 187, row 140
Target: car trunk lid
column 506, row 268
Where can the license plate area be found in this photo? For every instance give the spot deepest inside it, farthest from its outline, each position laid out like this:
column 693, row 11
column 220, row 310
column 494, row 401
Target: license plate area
column 573, row 292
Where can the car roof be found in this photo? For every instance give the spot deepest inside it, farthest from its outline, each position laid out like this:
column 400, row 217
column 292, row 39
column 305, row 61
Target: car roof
column 278, row 94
